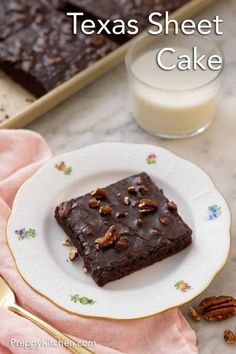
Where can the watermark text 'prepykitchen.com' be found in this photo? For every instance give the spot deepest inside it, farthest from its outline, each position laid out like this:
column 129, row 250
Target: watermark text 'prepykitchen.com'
column 47, row 343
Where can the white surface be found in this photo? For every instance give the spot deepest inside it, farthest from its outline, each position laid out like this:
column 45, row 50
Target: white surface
column 101, row 113
column 143, row 293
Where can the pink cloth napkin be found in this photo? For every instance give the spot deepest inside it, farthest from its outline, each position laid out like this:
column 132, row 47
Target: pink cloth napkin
column 21, row 154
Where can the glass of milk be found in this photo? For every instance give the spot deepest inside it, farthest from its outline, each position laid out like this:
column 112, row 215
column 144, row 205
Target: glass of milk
column 173, row 103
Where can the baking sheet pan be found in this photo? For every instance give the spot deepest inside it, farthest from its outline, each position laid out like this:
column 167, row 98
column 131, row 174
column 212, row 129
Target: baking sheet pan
column 18, row 107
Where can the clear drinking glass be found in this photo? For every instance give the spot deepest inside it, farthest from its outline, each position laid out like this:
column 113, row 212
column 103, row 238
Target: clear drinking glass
column 172, row 104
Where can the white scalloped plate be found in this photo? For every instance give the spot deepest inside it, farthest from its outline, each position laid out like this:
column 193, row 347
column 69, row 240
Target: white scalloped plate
column 35, row 239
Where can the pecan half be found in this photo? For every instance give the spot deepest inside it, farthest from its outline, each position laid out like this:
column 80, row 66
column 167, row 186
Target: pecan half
column 194, row 314
column 147, row 205
column 229, row 337
column 108, row 239
column 230, row 303
column 219, row 314
column 93, row 203
column 99, row 193
column 215, row 301
column 105, row 210
column 218, row 308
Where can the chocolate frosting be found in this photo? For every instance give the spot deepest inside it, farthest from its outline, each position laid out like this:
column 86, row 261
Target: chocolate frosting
column 145, row 232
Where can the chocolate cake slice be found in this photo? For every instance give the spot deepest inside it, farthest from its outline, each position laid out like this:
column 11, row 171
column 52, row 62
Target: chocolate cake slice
column 124, row 227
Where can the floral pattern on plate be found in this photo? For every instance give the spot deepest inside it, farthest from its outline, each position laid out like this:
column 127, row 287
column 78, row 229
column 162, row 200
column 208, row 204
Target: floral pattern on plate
column 151, row 159
column 182, row 286
column 214, row 211
column 82, row 299
column 63, row 168
column 23, row 234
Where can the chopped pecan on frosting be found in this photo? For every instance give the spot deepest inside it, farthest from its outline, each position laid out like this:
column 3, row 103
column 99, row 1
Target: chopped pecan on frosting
column 147, row 205
column 105, row 210
column 93, row 203
column 99, row 193
column 108, row 239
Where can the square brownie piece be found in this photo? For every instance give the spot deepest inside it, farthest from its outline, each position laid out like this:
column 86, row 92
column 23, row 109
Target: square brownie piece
column 45, row 53
column 124, row 227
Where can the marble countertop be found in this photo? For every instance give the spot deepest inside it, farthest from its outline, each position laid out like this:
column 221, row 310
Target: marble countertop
column 101, row 112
